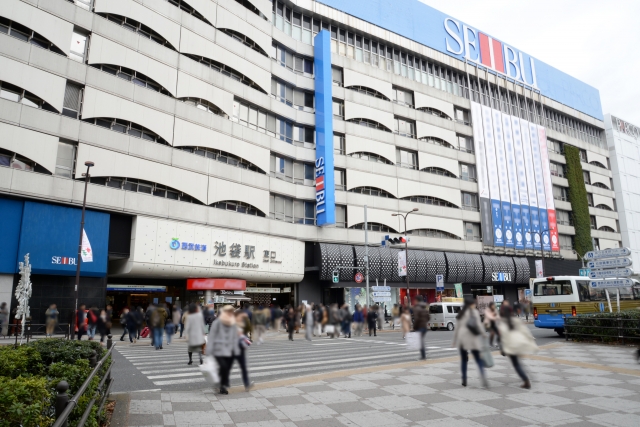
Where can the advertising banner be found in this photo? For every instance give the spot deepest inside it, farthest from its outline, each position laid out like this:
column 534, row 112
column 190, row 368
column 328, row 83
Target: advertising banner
column 402, row 263
column 548, row 190
column 542, row 200
column 481, row 172
column 514, row 194
column 534, row 212
column 503, row 179
column 492, row 172
column 522, row 181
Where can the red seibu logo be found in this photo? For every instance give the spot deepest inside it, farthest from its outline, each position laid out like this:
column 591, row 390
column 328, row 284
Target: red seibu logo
column 63, row 260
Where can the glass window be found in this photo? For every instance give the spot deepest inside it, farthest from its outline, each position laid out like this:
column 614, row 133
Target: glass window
column 65, row 159
column 553, row 287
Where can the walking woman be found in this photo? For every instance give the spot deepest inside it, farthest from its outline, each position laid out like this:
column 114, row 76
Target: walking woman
column 223, row 344
column 516, row 340
column 405, row 320
column 468, row 337
column 491, row 318
column 358, row 321
column 194, row 330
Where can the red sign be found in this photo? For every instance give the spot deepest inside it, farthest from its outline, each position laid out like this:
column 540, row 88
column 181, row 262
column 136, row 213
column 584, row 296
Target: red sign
column 358, row 278
column 216, row 284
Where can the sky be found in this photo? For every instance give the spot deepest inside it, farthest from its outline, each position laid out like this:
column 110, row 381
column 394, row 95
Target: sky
column 595, row 41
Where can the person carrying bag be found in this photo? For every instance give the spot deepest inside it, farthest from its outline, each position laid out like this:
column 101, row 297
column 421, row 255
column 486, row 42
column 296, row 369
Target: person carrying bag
column 515, row 340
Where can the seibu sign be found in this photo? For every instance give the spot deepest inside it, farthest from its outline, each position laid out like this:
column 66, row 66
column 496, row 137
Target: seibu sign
column 482, row 49
column 216, row 284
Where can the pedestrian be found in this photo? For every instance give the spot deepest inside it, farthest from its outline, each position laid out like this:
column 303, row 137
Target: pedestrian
column 92, row 318
column 325, row 317
column 4, row 319
column 132, row 319
column 103, row 324
column 194, row 331
column 176, row 317
column 317, row 320
column 405, row 321
column 243, row 323
column 420, row 320
column 372, row 315
column 147, row 319
column 81, row 319
column 290, row 318
column 223, row 343
column 515, row 339
column 109, row 311
column 308, row 321
column 527, row 310
column 182, row 320
column 517, row 308
column 139, row 316
column 469, row 337
column 169, row 328
column 157, row 320
column 491, row 318
column 123, row 323
column 335, row 319
column 395, row 315
column 52, row 314
column 346, row 320
column 358, row 321
column 381, row 316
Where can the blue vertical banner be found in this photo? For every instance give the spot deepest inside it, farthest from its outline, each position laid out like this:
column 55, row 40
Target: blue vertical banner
column 503, row 179
column 514, row 192
column 492, row 172
column 523, row 189
column 325, row 187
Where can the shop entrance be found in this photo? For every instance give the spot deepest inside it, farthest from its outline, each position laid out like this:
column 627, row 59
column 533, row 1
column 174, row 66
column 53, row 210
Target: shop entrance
column 131, row 296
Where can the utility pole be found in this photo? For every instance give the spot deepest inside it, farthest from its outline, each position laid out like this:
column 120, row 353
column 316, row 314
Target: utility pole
column 87, row 178
column 406, row 247
column 366, row 253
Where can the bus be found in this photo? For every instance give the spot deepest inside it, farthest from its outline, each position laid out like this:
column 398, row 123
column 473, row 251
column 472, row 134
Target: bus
column 558, row 296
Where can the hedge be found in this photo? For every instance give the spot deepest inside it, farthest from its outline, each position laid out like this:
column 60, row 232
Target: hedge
column 605, row 327
column 30, row 373
column 578, row 199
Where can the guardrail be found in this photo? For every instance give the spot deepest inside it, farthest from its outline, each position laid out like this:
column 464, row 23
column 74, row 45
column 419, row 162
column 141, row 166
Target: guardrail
column 606, row 329
column 64, row 406
column 34, row 329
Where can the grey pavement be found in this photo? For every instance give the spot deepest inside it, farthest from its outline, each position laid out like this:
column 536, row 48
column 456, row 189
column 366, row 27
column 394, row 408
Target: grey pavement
column 573, row 385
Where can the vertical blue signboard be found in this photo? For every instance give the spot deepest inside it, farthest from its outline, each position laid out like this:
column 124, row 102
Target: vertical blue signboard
column 325, row 188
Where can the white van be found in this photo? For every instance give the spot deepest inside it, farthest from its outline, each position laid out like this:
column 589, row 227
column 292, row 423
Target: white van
column 443, row 314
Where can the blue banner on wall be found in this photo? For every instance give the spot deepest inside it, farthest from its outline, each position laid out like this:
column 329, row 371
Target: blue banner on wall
column 526, row 227
column 10, row 223
column 496, row 216
column 50, row 235
column 325, row 187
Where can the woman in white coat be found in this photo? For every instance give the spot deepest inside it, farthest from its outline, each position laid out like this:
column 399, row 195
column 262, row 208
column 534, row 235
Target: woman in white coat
column 469, row 337
column 194, row 330
column 515, row 339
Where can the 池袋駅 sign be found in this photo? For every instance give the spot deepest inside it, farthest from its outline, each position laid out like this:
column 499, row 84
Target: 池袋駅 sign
column 607, row 253
column 482, row 49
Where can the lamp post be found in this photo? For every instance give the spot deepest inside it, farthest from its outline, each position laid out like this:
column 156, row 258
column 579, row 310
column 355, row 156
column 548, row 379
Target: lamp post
column 87, row 178
column 406, row 247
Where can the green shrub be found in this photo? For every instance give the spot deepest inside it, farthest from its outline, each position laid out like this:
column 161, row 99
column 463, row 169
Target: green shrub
column 605, row 327
column 21, row 361
column 25, row 402
column 66, row 351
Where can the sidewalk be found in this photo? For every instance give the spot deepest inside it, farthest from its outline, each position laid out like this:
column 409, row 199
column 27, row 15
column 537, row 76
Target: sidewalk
column 573, row 385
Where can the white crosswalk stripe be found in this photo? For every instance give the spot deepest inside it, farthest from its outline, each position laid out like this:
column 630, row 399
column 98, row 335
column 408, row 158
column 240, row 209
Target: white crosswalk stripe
column 279, row 358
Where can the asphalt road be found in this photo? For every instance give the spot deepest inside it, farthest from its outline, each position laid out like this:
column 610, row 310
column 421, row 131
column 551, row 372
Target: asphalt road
column 141, row 367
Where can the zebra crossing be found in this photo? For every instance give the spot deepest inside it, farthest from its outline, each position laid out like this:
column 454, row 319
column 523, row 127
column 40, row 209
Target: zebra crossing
column 277, row 358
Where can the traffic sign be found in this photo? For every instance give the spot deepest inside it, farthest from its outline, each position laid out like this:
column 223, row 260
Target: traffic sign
column 381, row 288
column 439, row 282
column 616, row 272
column 381, row 299
column 611, row 283
column 607, row 253
column 336, row 276
column 359, row 277
column 381, row 294
column 610, row 263
column 585, row 271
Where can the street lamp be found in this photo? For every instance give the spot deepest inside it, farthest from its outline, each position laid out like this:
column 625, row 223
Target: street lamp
column 87, row 178
column 406, row 247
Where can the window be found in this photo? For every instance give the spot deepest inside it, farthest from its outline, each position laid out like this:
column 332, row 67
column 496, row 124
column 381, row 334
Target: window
column 78, row 46
column 560, row 193
column 472, row 231
column 586, row 177
column 405, row 127
column 254, row 118
column 338, row 143
column 598, row 164
column 71, row 103
column 204, row 105
column 604, row 207
column 340, row 181
column 554, row 146
column 465, row 143
column 437, row 141
column 292, row 171
column 470, row 202
column 341, row 216
column 556, row 169
column 583, row 155
column 566, row 242
column 373, row 226
column 563, row 217
column 136, row 27
column 27, row 35
column 222, row 157
column 16, row 94
column 291, row 210
column 65, row 160
column 592, row 222
column 240, row 207
column 146, row 187
column 589, row 199
column 372, row 191
column 225, row 70
column 336, row 76
column 188, row 9
column 607, row 228
column 130, row 128
column 434, row 112
column 370, row 124
column 439, row 171
column 370, row 157
column 600, row 185
column 403, row 96
column 15, row 161
column 434, row 234
column 241, row 38
column 462, row 116
column 430, row 201
column 338, row 108
column 288, row 59
column 468, row 172
column 132, row 76
column 553, row 287
column 587, row 293
column 292, row 96
column 406, row 159
column 247, row 4
column 85, row 4
column 368, row 91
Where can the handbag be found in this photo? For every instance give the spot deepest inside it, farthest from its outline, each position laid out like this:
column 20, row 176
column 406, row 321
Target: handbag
column 413, row 341
column 472, row 325
column 209, row 369
column 330, row 329
column 244, row 342
column 485, row 355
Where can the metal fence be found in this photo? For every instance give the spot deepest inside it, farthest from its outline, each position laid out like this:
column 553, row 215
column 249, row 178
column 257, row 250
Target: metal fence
column 40, row 329
column 605, row 329
column 64, row 405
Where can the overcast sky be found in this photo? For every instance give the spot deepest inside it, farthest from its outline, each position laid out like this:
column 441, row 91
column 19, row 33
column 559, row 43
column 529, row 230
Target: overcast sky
column 595, row 41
